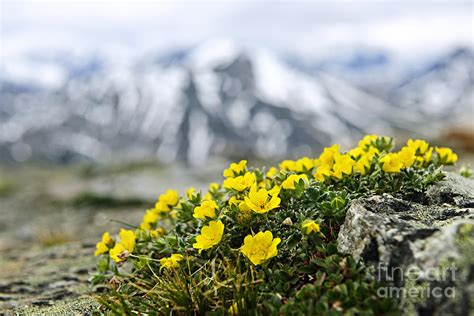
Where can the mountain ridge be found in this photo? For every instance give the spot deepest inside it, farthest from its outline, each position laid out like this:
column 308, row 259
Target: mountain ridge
column 217, row 99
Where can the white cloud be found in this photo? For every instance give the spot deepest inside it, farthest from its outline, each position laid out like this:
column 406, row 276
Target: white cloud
column 406, row 29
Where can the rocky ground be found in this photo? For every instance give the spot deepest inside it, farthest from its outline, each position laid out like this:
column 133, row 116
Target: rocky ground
column 51, row 218
column 51, row 280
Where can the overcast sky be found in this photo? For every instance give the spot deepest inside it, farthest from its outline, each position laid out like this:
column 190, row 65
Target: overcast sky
column 404, row 29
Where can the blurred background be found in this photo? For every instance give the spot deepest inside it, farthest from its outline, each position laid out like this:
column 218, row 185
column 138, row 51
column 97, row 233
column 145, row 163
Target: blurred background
column 105, row 104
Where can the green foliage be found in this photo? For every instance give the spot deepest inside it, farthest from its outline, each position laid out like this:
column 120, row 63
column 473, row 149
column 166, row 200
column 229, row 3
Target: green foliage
column 306, row 276
column 466, row 172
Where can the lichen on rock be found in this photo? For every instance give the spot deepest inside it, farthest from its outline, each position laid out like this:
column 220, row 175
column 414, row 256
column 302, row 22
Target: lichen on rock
column 48, row 281
column 420, row 244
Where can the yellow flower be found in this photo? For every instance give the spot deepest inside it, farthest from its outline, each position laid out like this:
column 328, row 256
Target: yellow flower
column 161, row 207
column 214, row 186
column 342, row 166
column 327, row 156
column 206, row 209
column 362, row 165
column 207, row 197
column 100, row 249
column 427, row 155
column 261, row 247
column 243, row 207
column 418, row 145
column 288, row 165
column 371, row 152
column 301, row 165
column 275, row 190
column 356, row 153
column 235, row 169
column 169, row 198
column 260, row 201
column 145, row 226
column 104, row 244
column 240, row 183
column 234, row 201
column 123, row 248
column 166, row 201
column 190, row 192
column 155, row 233
column 446, row 155
column 407, row 156
column 150, row 217
column 322, row 172
column 368, row 140
column 211, row 235
column 127, row 238
column 290, row 182
column 391, row 163
column 171, row 262
column 304, row 164
column 424, row 153
column 272, row 172
column 119, row 253
column 310, row 227
column 239, row 203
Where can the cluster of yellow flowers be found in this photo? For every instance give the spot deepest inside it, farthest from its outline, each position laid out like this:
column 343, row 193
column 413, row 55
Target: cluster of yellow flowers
column 165, row 204
column 417, row 153
column 336, row 165
column 120, row 250
column 249, row 191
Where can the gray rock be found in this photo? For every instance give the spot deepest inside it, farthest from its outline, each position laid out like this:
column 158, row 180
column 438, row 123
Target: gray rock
column 419, row 246
column 454, row 189
column 48, row 281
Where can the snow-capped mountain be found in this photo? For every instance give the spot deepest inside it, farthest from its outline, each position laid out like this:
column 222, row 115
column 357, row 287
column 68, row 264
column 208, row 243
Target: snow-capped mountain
column 213, row 100
column 444, row 90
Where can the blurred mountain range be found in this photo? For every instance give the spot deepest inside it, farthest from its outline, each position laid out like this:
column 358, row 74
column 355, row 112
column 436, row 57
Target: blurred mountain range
column 219, row 99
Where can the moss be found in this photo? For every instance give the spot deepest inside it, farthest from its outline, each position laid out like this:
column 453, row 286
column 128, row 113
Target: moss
column 464, row 240
column 466, row 172
column 92, row 171
column 408, row 303
column 47, row 281
column 97, row 200
column 6, row 188
column 465, row 236
column 84, row 305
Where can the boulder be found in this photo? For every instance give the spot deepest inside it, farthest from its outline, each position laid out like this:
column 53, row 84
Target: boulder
column 419, row 246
